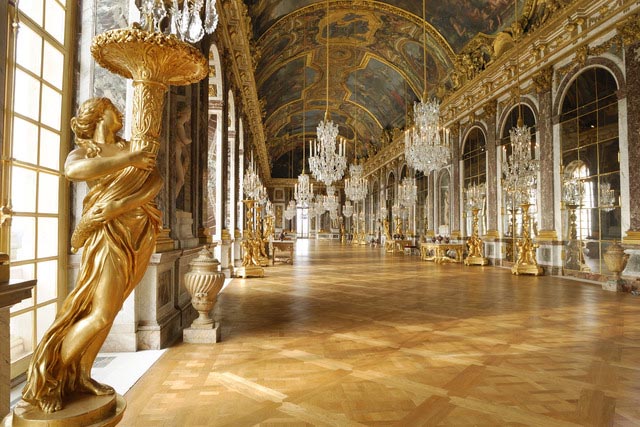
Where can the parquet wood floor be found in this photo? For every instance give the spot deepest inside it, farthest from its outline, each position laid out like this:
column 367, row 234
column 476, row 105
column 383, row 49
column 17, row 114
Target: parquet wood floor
column 350, row 336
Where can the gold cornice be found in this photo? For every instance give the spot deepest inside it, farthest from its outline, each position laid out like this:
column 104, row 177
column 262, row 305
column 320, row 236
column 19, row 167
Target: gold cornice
column 235, row 32
column 580, row 22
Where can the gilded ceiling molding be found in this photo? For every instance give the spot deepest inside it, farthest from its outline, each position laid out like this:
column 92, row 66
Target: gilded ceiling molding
column 236, row 35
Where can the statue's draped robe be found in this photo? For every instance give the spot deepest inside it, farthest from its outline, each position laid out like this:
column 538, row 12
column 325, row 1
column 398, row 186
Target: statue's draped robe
column 127, row 242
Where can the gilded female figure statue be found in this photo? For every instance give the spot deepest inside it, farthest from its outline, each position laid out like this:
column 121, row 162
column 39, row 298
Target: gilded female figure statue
column 118, row 229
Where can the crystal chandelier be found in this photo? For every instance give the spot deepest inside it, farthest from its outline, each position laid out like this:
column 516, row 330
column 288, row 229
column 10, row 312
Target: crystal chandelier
column 290, row 211
column 424, row 148
column 408, row 192
column 331, row 200
column 327, row 164
column 186, row 24
column 521, row 168
column 572, row 191
column 607, row 197
column 347, row 209
column 251, row 181
column 355, row 187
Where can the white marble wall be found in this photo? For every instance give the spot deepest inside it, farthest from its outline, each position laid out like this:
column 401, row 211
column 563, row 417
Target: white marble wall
column 5, row 362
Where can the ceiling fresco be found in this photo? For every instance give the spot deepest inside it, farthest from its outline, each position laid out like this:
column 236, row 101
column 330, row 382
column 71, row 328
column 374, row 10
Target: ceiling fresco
column 376, row 59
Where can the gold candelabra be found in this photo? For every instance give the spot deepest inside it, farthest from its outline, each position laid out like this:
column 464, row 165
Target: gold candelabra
column 574, row 256
column 526, row 262
column 476, row 253
column 251, row 245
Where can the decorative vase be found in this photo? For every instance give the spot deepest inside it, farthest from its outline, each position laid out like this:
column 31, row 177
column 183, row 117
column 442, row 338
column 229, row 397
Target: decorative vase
column 616, row 260
column 203, row 282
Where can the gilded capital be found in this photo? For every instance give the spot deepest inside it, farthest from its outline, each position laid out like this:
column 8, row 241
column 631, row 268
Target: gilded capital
column 543, row 80
column 490, row 108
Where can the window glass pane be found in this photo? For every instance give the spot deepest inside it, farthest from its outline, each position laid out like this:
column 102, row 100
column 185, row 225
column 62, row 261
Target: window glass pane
column 47, row 237
column 49, row 149
column 23, row 189
column 48, row 193
column 23, row 238
column 21, row 333
column 28, row 53
column 33, row 9
column 45, row 318
column 27, row 100
column 51, row 107
column 54, row 23
column 55, row 64
column 22, row 272
column 25, row 141
column 609, row 156
column 47, row 281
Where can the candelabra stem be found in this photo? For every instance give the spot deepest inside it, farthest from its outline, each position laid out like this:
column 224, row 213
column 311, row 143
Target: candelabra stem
column 574, row 254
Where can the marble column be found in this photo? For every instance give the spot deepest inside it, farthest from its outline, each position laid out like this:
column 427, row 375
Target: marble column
column 454, row 192
column 543, row 83
column 632, row 65
column 490, row 117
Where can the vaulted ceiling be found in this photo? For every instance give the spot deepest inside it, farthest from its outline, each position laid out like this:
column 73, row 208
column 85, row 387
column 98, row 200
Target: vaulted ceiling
column 375, row 61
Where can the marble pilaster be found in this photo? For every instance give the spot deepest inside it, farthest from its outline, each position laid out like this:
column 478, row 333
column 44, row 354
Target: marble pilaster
column 5, row 362
column 454, row 194
column 490, row 117
column 632, row 65
column 543, row 82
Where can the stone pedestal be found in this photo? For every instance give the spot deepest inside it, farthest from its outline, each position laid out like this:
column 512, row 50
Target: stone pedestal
column 10, row 293
column 223, row 253
column 159, row 319
column 184, row 230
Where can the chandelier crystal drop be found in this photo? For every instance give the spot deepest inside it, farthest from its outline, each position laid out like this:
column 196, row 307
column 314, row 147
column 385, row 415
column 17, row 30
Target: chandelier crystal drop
column 185, row 23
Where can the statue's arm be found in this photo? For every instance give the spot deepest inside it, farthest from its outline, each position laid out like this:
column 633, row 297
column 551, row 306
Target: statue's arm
column 79, row 167
column 105, row 211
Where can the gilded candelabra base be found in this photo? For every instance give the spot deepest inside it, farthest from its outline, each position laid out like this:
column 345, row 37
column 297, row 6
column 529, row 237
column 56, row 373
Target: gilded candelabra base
column 474, row 243
column 249, row 271
column 81, row 410
column 526, row 262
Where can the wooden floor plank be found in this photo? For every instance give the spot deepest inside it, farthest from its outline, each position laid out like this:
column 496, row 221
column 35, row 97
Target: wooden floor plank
column 353, row 336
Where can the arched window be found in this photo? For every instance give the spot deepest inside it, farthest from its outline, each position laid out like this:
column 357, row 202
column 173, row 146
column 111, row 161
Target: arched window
column 590, row 154
column 511, row 219
column 474, row 168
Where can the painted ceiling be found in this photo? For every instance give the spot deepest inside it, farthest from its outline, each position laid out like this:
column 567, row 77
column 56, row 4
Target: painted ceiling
column 375, row 66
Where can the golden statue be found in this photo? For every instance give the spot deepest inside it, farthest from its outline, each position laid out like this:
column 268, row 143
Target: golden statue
column 118, row 231
column 118, row 227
